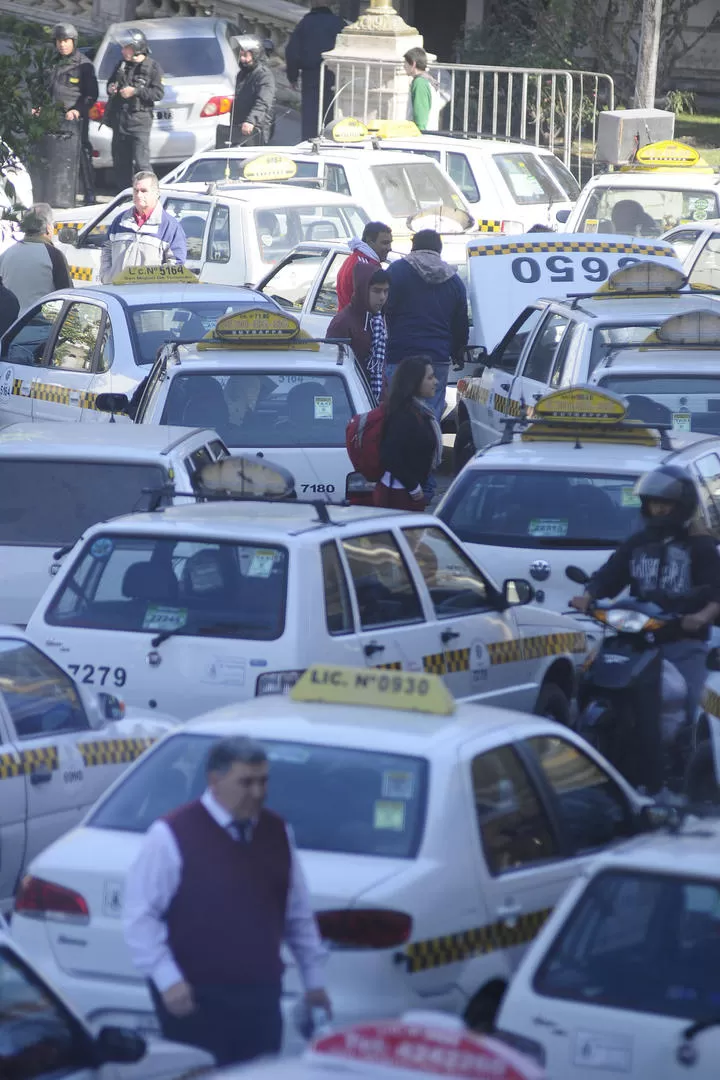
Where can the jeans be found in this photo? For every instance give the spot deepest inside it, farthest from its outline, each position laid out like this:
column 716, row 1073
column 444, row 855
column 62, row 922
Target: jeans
column 689, row 655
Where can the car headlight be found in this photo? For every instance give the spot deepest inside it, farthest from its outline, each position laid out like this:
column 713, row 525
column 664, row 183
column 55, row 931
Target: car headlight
column 276, row 682
column 631, row 622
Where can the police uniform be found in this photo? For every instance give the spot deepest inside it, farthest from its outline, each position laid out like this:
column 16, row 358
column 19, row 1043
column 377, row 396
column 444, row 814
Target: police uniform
column 74, row 85
column 131, row 118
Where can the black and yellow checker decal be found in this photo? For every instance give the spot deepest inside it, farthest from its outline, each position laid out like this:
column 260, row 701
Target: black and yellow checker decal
column 489, row 225
column 60, row 395
column 533, row 648
column 27, row 761
column 68, row 225
column 507, row 405
column 113, row 751
column 10, row 766
column 710, row 701
column 452, row 948
column 395, row 665
column 81, row 273
column 561, row 247
column 447, row 663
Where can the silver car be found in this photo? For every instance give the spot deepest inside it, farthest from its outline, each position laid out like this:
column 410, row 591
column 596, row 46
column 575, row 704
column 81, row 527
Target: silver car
column 199, row 67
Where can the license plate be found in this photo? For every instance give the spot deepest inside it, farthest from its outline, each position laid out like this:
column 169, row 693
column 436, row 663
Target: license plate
column 163, row 114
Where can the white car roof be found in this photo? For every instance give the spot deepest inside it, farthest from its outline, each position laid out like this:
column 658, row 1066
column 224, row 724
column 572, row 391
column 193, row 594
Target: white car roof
column 304, row 153
column 662, row 361
column 174, row 27
column 99, row 442
column 189, row 359
column 172, row 293
column 626, row 309
column 271, row 195
column 692, row 850
column 665, row 179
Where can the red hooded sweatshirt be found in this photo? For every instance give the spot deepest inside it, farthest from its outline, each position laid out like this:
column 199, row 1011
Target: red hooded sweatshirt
column 354, row 320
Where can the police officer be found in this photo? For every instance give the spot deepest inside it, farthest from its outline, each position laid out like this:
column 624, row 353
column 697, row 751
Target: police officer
column 74, row 87
column 134, row 88
column 253, row 115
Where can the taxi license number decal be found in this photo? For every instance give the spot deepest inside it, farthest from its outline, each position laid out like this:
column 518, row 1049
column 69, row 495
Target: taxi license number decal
column 318, row 488
column 98, row 676
column 562, row 268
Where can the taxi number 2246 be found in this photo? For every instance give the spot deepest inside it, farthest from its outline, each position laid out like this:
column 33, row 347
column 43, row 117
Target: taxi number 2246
column 98, row 675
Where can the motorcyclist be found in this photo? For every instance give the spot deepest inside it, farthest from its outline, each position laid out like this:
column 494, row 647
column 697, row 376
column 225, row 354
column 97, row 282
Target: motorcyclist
column 253, row 115
column 669, row 563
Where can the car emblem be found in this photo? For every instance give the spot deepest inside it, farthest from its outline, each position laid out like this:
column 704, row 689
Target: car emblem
column 540, row 570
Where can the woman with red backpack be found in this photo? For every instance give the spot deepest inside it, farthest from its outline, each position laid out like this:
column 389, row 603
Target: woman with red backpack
column 411, row 441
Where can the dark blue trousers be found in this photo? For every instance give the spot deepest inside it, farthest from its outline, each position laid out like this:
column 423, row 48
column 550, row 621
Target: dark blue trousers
column 233, row 1023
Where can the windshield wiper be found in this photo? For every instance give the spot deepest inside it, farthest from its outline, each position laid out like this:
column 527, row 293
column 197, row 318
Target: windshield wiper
column 164, row 635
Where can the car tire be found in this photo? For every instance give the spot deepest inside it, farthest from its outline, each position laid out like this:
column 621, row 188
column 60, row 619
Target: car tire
column 482, row 1010
column 552, row 703
column 700, row 781
column 464, row 446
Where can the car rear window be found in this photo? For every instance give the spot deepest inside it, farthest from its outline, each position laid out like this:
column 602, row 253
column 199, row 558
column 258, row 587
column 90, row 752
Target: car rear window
column 409, row 188
column 607, row 338
column 196, row 587
column 644, row 211
column 50, row 503
column 567, row 182
column 214, row 169
column 640, row 942
column 178, row 57
column 252, row 409
column 335, row 798
column 689, row 402
column 528, row 182
column 281, row 228
column 186, row 320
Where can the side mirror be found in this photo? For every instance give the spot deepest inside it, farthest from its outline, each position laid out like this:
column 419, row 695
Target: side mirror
column 517, row 591
column 119, row 1045
column 68, row 234
column 476, row 354
column 112, row 708
column 112, row 403
column 574, row 573
column 561, row 216
column 713, row 660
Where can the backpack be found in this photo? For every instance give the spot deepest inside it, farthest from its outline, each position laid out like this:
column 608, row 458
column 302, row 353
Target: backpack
column 362, row 439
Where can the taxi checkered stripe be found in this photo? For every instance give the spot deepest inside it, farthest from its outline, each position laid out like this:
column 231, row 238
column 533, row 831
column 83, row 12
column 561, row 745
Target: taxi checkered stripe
column 113, row 751
column 27, row 761
column 81, row 273
column 711, row 702
column 60, row 395
column 436, row 952
column 508, row 405
column 10, row 765
column 561, row 246
column 475, row 391
column 395, row 665
column 531, row 648
column 68, row 225
column 447, row 663
column 489, row 225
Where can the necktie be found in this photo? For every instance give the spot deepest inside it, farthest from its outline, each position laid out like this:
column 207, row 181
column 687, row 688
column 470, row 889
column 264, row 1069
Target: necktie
column 241, row 831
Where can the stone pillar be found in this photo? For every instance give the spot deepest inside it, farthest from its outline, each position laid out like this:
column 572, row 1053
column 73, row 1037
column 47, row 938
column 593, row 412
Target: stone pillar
column 367, row 90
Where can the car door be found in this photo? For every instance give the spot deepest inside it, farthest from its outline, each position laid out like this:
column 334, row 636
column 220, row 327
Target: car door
column 291, row 282
column 468, row 629
column 460, row 170
column 683, row 240
column 13, row 799
column 494, row 402
column 321, row 303
column 533, row 379
column 62, row 388
column 84, row 257
column 393, row 630
column 194, row 216
column 24, row 348
column 703, row 264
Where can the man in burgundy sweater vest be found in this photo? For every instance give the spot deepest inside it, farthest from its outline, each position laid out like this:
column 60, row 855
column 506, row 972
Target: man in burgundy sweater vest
column 212, row 895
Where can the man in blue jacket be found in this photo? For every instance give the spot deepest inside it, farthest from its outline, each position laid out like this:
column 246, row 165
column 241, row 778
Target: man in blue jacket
column 143, row 235
column 314, row 35
column 427, row 312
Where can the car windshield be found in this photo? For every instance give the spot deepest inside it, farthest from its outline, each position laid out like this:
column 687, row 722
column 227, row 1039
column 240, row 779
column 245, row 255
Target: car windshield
column 413, row 186
column 527, row 180
column 281, row 228
column 606, row 338
column 358, row 802
column 647, row 211
column 641, row 942
column 214, row 169
column 252, row 409
column 50, row 503
column 561, row 175
column 534, row 509
column 186, row 320
column 196, row 587
column 178, row 57
column 686, row 402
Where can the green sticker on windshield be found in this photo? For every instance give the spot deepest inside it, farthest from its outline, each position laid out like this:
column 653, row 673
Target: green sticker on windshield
column 629, row 498
column 389, row 815
column 162, row 618
column 548, row 527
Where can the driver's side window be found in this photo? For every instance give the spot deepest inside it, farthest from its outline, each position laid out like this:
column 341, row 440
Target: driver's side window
column 27, row 343
column 506, row 355
column 455, row 585
column 97, row 236
column 40, row 698
column 292, row 281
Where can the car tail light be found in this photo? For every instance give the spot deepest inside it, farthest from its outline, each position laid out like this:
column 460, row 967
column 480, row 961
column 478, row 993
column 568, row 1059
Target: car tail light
column 38, row 899
column 217, row 106
column 364, row 928
column 98, row 110
column 276, row 682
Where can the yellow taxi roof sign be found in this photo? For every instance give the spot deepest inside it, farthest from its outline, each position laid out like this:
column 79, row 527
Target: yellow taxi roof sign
column 393, row 129
column 403, row 690
column 701, row 327
column 144, row 275
column 269, row 167
column 581, row 405
column 669, row 152
column 256, row 324
column 644, row 277
column 348, row 130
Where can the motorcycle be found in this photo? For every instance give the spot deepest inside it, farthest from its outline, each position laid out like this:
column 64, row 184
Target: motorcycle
column 631, row 701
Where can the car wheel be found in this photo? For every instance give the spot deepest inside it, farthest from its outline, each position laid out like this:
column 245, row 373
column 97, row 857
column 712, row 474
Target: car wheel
column 700, row 781
column 552, row 702
column 482, row 1010
column 464, row 447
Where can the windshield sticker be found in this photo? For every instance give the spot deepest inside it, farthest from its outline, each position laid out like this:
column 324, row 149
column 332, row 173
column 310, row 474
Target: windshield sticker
column 261, row 564
column 479, row 662
column 101, row 548
column 629, row 498
column 548, row 527
column 158, row 617
column 389, row 815
column 323, row 408
column 591, row 224
column 266, row 240
column 398, row 785
column 682, row 421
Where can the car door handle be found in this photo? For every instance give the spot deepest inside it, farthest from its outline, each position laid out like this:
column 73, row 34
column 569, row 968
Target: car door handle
column 449, row 635
column 372, row 648
column 536, row 397
column 41, row 775
column 505, row 386
column 509, row 910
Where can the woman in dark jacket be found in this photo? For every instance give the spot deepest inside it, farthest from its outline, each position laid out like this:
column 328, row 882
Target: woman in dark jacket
column 411, row 445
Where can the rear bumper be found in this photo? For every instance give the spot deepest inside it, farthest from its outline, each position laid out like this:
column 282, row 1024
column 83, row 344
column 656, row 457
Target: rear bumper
column 168, row 147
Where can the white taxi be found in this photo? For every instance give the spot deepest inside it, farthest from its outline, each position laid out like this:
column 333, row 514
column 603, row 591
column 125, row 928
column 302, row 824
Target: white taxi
column 42, row 1036
column 698, row 246
column 62, row 743
column 435, row 839
column 559, row 491
column 200, row 605
column 72, row 346
column 622, row 979
column 234, row 235
column 58, row 480
column 267, row 389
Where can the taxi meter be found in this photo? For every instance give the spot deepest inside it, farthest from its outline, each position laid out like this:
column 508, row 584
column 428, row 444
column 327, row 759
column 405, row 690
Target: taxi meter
column 508, row 274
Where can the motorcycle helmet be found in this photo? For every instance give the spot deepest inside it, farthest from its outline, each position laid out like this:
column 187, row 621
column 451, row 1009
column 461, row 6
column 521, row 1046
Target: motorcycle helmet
column 252, row 44
column 670, row 484
column 136, row 39
column 64, row 30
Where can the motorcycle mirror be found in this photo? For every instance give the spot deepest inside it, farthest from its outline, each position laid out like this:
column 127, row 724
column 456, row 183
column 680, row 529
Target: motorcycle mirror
column 577, row 575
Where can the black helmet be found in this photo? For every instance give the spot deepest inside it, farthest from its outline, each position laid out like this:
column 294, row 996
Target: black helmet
column 671, row 484
column 134, row 38
column 63, row 30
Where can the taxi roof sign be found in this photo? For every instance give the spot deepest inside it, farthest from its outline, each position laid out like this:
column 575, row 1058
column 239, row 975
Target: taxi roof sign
column 348, row 130
column 645, row 277
column 393, row 129
column 142, row 275
column 375, row 688
column 256, row 325
column 581, row 405
column 701, row 327
column 668, row 152
column 245, row 477
column 269, row 167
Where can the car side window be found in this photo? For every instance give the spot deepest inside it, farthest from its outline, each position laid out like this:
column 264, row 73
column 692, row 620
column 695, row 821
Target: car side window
column 338, row 612
column 514, row 828
column 542, row 352
column 96, row 237
column 27, row 343
column 384, row 590
column 197, row 460
column 336, row 179
column 40, row 697
column 218, row 249
column 683, row 241
column 293, row 279
column 76, row 343
column 592, row 807
column 326, row 301
column 219, row 450
column 193, row 217
column 107, row 348
column 708, row 468
column 557, row 378
column 455, row 585
column 706, row 270
column 506, row 355
column 460, row 171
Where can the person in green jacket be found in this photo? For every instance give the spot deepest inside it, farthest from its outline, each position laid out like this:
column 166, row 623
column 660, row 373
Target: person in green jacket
column 423, row 85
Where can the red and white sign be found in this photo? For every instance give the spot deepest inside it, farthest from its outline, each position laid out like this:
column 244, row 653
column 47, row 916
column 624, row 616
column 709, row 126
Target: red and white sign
column 400, row 1047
